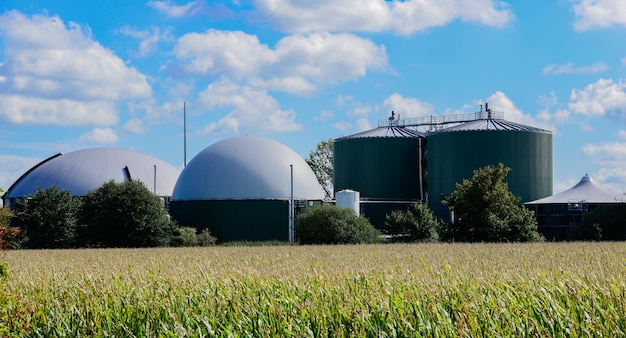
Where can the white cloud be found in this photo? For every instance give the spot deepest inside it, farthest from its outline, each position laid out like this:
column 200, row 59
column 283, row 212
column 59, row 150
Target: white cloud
column 498, row 101
column 100, row 135
column 568, row 68
column 324, row 115
column 190, row 9
column 407, row 107
column 50, row 65
column 148, row 39
column 135, row 126
column 16, row 109
column 611, row 156
column 402, row 17
column 621, row 133
column 295, row 65
column 602, row 98
column 343, row 126
column 12, row 167
column 599, row 13
column 250, row 110
column 363, row 124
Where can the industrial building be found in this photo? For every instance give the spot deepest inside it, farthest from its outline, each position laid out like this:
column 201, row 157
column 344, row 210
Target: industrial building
column 245, row 188
column 558, row 214
column 84, row 170
column 396, row 164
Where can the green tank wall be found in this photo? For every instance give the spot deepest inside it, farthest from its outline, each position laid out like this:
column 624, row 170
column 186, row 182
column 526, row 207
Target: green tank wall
column 453, row 156
column 378, row 168
column 235, row 220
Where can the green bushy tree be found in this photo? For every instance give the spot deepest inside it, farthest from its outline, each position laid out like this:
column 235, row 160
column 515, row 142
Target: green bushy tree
column 417, row 224
column 206, row 239
column 330, row 224
column 321, row 162
column 124, row 215
column 485, row 210
column 184, row 236
column 47, row 219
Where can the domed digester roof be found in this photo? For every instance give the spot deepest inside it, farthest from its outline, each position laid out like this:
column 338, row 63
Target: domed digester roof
column 84, row 170
column 586, row 190
column 246, row 168
column 240, row 189
column 454, row 153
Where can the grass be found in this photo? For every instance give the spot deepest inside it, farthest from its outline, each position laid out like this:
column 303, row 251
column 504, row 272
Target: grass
column 435, row 290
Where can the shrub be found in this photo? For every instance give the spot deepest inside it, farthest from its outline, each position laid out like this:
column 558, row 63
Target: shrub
column 205, row 238
column 124, row 215
column 417, row 224
column 330, row 224
column 48, row 219
column 184, row 236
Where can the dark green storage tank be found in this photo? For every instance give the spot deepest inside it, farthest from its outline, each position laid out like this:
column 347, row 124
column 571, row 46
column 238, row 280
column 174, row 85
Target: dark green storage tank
column 383, row 165
column 454, row 153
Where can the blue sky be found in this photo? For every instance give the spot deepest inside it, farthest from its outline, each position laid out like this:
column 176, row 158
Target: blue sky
column 78, row 74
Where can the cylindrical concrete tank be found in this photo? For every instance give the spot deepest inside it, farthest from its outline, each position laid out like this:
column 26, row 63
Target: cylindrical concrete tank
column 349, row 199
column 454, row 153
column 383, row 165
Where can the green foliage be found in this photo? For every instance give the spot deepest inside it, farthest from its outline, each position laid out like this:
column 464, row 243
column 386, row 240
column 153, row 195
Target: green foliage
column 417, row 224
column 206, row 239
column 124, row 215
column 4, row 270
column 605, row 223
column 9, row 235
column 330, row 224
column 321, row 161
column 48, row 219
column 486, row 211
column 184, row 236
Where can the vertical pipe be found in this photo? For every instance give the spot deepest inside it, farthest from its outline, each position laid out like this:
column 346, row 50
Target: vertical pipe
column 184, row 134
column 291, row 210
column 420, row 169
column 154, row 186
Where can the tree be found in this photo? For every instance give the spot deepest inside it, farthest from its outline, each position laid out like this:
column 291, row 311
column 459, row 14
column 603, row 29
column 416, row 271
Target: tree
column 330, row 224
column 485, row 210
column 417, row 224
column 124, row 215
column 9, row 235
column 47, row 219
column 321, row 161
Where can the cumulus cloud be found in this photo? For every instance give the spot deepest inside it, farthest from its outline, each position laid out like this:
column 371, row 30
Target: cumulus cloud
column 148, row 39
column 402, row 17
column 599, row 13
column 602, row 98
column 250, row 110
column 12, row 167
column 135, row 126
column 498, row 101
column 407, row 107
column 569, row 68
column 191, row 9
column 611, row 156
column 296, row 64
column 50, row 66
column 100, row 135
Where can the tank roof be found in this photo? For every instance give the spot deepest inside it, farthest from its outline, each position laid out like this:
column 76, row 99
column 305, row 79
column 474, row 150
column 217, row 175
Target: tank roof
column 493, row 124
column 84, row 170
column 246, row 168
column 388, row 131
column 586, row 190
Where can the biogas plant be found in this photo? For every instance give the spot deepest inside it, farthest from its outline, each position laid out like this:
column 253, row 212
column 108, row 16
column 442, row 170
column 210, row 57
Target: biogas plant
column 252, row 188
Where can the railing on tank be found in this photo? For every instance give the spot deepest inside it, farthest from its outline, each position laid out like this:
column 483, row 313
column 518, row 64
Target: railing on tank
column 434, row 120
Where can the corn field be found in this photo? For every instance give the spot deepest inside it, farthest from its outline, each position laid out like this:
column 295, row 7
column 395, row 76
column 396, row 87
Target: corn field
column 403, row 290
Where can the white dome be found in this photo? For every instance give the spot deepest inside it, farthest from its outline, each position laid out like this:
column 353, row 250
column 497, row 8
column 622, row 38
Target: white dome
column 87, row 169
column 246, row 168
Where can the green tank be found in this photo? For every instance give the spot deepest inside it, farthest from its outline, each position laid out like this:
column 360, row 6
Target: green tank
column 383, row 165
column 454, row 153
